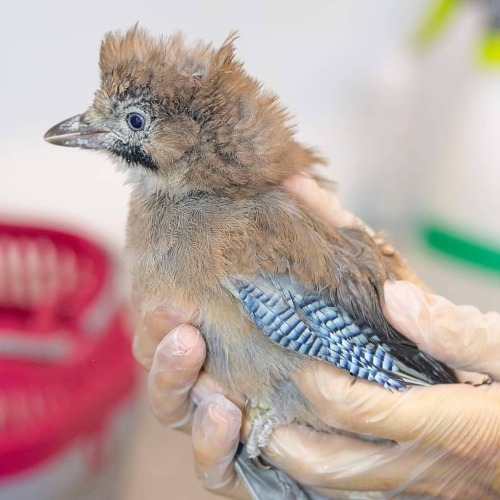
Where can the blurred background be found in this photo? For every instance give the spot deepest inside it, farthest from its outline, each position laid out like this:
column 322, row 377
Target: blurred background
column 402, row 96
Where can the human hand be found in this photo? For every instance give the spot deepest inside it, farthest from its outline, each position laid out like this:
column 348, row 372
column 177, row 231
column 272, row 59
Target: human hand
column 439, row 441
column 183, row 397
column 173, row 376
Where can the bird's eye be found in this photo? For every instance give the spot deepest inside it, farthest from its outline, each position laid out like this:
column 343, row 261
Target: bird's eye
column 136, row 121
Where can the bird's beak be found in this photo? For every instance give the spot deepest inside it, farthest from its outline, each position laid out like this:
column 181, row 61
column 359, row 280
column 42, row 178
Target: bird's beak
column 74, row 132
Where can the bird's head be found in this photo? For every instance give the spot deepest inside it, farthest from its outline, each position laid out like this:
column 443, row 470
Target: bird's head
column 185, row 119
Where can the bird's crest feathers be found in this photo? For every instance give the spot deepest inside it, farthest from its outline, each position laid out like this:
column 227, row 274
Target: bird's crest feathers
column 138, row 47
column 204, row 106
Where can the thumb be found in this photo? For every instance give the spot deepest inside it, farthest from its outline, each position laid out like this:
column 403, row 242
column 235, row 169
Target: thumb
column 460, row 336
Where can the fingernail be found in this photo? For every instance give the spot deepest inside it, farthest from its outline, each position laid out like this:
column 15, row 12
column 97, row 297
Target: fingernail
column 217, row 418
column 179, row 341
column 224, row 414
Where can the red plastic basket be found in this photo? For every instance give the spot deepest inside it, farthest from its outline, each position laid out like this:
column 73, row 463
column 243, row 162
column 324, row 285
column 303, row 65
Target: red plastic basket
column 65, row 359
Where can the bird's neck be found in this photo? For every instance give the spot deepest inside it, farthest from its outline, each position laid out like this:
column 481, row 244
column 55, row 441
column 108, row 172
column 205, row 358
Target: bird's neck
column 149, row 185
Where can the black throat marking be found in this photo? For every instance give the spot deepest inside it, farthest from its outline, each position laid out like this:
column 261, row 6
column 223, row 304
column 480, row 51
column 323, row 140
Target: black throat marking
column 134, row 155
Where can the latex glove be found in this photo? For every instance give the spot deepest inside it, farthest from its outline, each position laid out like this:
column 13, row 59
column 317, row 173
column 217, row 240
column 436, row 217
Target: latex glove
column 444, row 440
column 176, row 383
column 176, row 368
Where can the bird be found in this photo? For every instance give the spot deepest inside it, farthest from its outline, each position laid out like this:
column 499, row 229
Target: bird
column 206, row 149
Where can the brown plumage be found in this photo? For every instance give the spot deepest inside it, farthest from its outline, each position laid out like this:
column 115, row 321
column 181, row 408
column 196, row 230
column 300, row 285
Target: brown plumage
column 207, row 210
column 215, row 128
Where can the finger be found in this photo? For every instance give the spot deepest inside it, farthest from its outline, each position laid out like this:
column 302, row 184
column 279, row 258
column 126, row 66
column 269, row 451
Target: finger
column 152, row 327
column 460, row 336
column 176, row 366
column 216, row 435
column 328, row 207
column 343, row 462
column 365, row 408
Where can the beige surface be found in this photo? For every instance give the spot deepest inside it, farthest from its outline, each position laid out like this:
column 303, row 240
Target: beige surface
column 160, row 465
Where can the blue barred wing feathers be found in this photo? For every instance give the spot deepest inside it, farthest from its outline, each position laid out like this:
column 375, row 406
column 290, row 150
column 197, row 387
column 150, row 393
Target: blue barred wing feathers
column 310, row 324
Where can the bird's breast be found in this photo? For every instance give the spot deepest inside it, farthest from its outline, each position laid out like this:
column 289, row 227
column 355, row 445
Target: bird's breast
column 183, row 253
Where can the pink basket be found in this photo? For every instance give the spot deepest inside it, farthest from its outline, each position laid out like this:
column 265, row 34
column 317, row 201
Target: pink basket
column 65, row 360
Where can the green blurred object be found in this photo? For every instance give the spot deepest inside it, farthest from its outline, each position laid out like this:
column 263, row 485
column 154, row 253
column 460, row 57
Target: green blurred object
column 461, row 246
column 434, row 23
column 489, row 50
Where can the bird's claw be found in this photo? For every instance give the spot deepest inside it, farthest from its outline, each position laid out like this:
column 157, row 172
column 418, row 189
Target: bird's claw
column 263, row 424
column 259, row 463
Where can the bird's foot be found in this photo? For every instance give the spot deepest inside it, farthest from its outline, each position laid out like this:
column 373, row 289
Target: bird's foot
column 263, row 424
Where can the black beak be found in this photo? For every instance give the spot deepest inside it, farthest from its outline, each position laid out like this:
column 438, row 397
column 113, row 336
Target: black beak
column 73, row 132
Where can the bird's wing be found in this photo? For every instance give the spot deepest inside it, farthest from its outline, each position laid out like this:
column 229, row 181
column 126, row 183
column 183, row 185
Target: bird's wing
column 309, row 323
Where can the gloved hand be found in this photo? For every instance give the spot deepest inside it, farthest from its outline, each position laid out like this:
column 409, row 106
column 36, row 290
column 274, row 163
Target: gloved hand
column 185, row 398
column 445, row 437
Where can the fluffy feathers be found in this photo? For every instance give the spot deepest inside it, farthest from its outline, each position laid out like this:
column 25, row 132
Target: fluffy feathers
column 206, row 160
column 213, row 127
